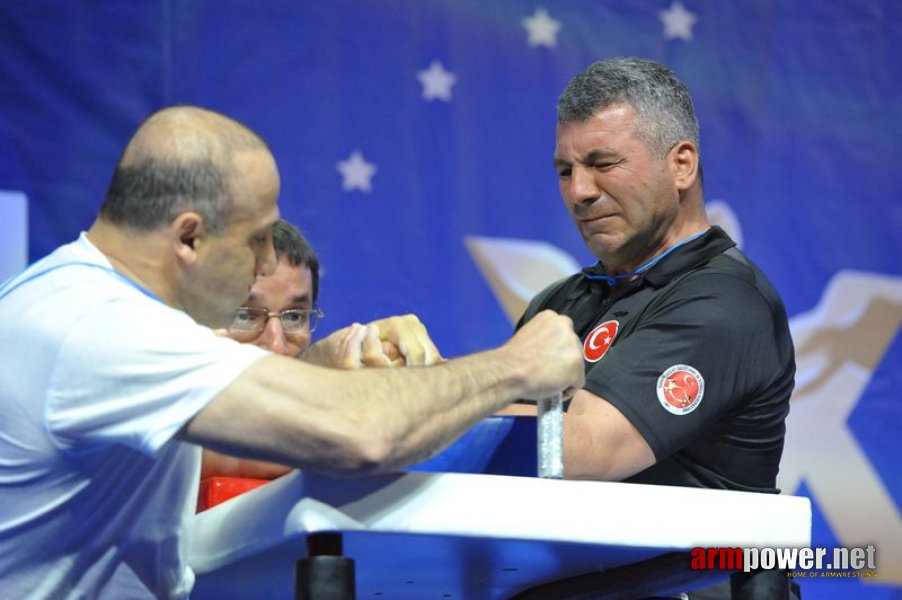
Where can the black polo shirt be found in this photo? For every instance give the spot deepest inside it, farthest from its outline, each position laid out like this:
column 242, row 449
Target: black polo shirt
column 697, row 354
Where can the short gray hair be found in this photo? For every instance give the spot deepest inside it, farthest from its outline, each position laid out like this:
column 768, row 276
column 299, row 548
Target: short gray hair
column 151, row 193
column 664, row 110
column 181, row 158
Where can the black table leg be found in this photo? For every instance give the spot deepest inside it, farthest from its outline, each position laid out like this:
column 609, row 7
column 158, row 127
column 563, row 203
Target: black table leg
column 325, row 574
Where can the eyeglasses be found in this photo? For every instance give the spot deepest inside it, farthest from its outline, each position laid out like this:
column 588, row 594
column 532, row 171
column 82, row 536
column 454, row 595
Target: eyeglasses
column 248, row 322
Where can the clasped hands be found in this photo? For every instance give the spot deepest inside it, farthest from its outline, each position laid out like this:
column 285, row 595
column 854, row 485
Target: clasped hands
column 393, row 341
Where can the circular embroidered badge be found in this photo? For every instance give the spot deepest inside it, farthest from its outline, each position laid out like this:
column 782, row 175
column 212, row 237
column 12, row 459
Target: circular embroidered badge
column 599, row 340
column 680, row 389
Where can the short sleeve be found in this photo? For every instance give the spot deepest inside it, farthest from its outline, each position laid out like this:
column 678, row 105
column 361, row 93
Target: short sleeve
column 134, row 372
column 715, row 330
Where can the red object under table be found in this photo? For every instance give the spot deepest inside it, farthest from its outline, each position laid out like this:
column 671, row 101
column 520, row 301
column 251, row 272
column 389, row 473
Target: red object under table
column 216, row 490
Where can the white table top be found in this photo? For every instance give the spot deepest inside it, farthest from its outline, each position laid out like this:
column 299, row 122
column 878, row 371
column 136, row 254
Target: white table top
column 452, row 535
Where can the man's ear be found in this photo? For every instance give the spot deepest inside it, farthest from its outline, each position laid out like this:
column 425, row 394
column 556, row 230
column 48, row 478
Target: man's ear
column 187, row 233
column 684, row 164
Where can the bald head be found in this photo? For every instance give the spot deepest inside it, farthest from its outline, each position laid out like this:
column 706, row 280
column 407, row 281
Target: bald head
column 181, row 158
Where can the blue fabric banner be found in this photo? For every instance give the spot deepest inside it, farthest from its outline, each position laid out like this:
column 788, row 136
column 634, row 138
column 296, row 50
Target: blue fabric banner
column 415, row 139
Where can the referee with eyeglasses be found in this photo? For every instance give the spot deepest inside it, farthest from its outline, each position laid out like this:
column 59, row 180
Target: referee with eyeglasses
column 279, row 315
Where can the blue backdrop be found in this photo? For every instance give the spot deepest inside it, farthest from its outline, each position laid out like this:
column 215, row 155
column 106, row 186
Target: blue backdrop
column 415, row 138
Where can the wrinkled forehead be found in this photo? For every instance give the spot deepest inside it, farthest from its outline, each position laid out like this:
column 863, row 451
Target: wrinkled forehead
column 288, row 286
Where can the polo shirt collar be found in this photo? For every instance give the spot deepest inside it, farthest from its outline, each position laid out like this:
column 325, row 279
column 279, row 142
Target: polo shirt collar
column 714, row 242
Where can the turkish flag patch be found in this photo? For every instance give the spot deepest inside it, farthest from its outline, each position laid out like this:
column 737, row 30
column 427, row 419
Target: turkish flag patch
column 599, row 340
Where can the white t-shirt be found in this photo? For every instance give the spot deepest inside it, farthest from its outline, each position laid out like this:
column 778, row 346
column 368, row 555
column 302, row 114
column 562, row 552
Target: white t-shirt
column 97, row 376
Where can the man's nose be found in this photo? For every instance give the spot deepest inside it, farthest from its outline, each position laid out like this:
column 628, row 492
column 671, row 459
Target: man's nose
column 583, row 188
column 273, row 337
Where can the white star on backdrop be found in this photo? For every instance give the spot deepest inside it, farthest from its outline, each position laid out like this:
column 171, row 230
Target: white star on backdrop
column 542, row 29
column 677, row 22
column 437, row 82
column 356, row 173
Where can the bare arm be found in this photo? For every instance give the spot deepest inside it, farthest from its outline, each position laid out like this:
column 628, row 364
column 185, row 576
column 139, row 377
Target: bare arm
column 360, row 422
column 599, row 442
column 393, row 341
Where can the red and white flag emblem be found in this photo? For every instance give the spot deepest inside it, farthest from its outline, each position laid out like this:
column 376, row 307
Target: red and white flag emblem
column 599, row 340
column 680, row 389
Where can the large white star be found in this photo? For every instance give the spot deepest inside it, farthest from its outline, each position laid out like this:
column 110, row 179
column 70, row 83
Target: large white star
column 356, row 173
column 437, row 82
column 542, row 29
column 677, row 22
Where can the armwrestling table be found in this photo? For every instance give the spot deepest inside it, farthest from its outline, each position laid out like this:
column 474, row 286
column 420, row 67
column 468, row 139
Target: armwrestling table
column 471, row 536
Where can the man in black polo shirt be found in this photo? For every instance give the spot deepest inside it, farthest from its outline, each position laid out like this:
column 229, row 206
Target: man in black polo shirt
column 689, row 360
column 697, row 358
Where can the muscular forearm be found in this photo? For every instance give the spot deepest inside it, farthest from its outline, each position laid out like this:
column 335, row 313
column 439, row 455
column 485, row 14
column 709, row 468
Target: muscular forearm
column 462, row 392
column 355, row 422
column 367, row 421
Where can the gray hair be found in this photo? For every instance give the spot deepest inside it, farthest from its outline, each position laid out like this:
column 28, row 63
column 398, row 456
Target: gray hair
column 180, row 159
column 153, row 192
column 664, row 111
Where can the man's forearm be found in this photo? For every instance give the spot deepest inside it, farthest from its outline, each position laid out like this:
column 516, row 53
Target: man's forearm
column 462, row 392
column 365, row 421
column 352, row 422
